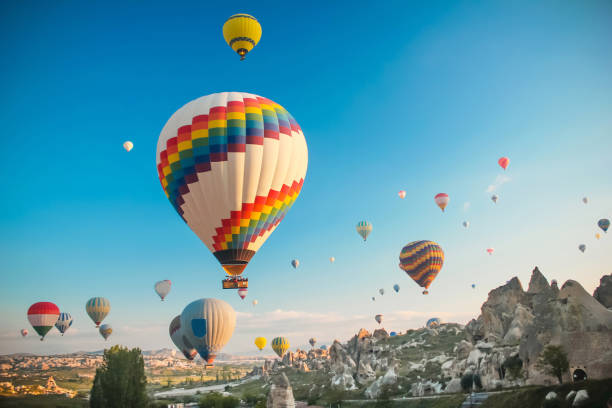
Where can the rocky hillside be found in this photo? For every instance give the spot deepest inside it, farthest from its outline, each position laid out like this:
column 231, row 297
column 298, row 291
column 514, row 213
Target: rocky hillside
column 514, row 325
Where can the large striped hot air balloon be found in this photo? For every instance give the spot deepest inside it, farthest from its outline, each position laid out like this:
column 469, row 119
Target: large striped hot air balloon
column 232, row 164
column 442, row 200
column 162, row 288
column 179, row 340
column 64, row 321
column 106, row 330
column 42, row 316
column 260, row 342
column 422, row 260
column 208, row 324
column 604, row 224
column 364, row 228
column 280, row 345
column 97, row 308
column 242, row 32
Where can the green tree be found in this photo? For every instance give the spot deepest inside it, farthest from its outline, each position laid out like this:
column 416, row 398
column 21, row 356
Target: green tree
column 120, row 381
column 553, row 361
column 216, row 400
column 468, row 381
column 514, row 366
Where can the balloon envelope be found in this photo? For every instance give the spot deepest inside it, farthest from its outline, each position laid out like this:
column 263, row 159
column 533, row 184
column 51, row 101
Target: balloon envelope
column 378, row 318
column 504, row 162
column 490, row 251
column 128, row 145
column 179, row 340
column 24, row 332
column 42, row 316
column 381, row 291
column 208, row 324
column 466, row 224
column 442, row 200
column 260, row 342
column 364, row 228
column 163, row 288
column 97, row 308
column 401, row 194
column 604, row 224
column 295, row 263
column 64, row 321
column 255, row 302
column 597, row 235
column 106, row 330
column 495, row 197
column 433, row 322
column 473, row 286
column 242, row 292
column 231, row 165
column 280, row 345
column 396, row 288
column 585, row 200
column 332, row 259
column 582, row 247
column 393, row 334
column 312, row 341
column 422, row 261
column 242, row 32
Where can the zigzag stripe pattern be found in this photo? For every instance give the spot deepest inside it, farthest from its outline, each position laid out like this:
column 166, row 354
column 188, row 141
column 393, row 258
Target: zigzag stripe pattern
column 422, row 261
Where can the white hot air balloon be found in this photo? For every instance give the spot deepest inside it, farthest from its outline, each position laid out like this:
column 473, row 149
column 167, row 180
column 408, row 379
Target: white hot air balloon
column 231, row 165
column 208, row 324
column 179, row 340
column 128, row 146
column 163, row 288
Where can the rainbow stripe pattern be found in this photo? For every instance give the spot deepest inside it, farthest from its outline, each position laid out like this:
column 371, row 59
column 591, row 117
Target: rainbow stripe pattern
column 231, row 165
column 422, row 261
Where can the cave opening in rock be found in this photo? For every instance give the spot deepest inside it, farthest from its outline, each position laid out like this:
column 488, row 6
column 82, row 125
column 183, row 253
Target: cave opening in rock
column 579, row 375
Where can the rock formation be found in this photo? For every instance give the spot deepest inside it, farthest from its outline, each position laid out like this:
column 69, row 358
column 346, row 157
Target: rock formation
column 281, row 394
column 603, row 293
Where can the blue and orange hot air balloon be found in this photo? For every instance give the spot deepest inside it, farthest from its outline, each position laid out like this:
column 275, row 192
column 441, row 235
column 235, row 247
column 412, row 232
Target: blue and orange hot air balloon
column 604, row 224
column 422, row 261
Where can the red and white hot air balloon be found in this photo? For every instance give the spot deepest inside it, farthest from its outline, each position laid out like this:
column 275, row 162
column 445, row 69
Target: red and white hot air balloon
column 503, row 162
column 401, row 194
column 490, row 251
column 442, row 200
column 24, row 332
column 242, row 292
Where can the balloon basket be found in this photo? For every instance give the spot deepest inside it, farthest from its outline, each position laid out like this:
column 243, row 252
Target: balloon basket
column 235, row 282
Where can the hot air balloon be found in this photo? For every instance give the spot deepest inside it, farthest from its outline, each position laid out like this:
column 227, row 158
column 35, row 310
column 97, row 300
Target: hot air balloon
column 466, row 224
column 312, row 341
column 64, row 321
column 179, row 340
column 381, row 291
column 295, row 263
column 364, row 228
column 163, row 288
column 260, row 343
column 503, row 162
column 373, row 299
column 553, row 282
column 242, row 32
column 332, row 259
column 582, row 247
column 401, row 194
column 585, row 200
column 490, row 251
column 106, row 330
column 473, row 286
column 494, row 198
column 597, row 235
column 604, row 224
column 396, row 288
column 280, row 345
column 232, row 164
column 324, row 347
column 42, row 316
column 242, row 292
column 393, row 334
column 24, row 332
column 255, row 302
column 128, row 146
column 442, row 200
column 97, row 308
column 208, row 324
column 422, row 261
column 433, row 323
column 378, row 318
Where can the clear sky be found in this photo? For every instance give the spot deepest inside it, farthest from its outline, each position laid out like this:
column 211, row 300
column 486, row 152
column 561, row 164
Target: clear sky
column 421, row 96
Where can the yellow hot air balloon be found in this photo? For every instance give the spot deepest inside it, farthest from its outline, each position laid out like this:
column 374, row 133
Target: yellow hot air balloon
column 242, row 32
column 260, row 343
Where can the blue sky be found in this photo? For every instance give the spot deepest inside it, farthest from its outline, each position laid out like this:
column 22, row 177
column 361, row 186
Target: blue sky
column 421, row 96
